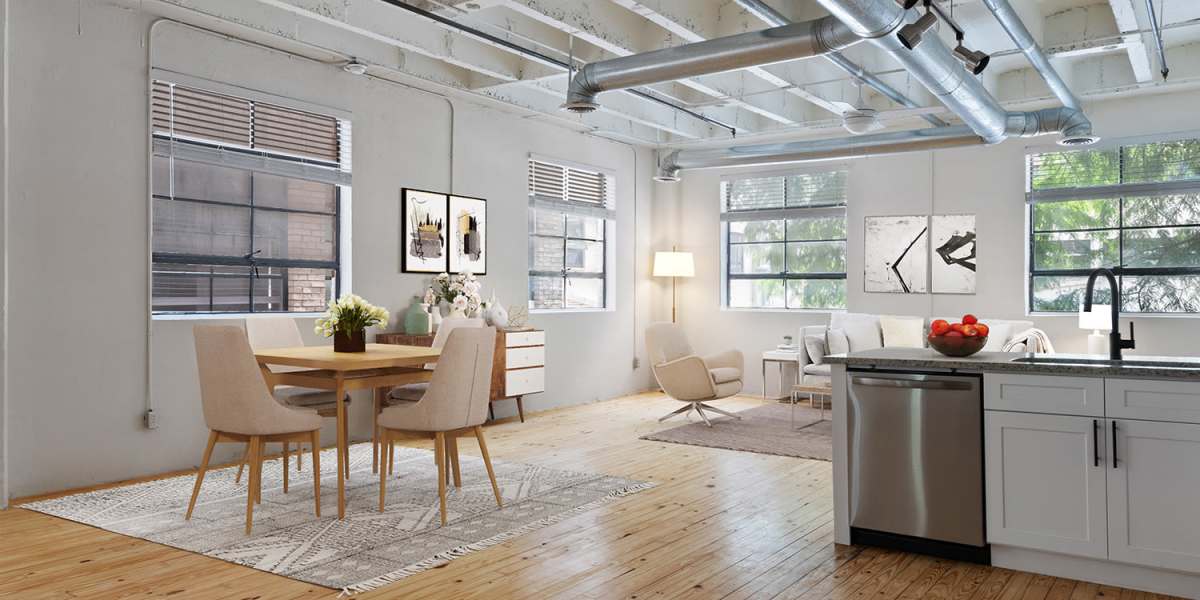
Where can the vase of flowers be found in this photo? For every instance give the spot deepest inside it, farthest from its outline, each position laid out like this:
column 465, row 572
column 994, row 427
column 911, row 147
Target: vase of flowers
column 460, row 291
column 346, row 322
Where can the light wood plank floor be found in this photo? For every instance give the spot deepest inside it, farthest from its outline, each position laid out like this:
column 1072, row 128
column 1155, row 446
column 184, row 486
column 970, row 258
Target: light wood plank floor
column 721, row 524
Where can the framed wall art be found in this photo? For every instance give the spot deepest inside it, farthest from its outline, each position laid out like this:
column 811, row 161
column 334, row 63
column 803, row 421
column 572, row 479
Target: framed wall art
column 424, row 221
column 468, row 235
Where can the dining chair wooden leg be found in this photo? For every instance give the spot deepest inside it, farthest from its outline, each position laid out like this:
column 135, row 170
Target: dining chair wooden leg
column 315, row 440
column 262, row 454
column 439, row 456
column 346, row 447
column 391, row 457
column 299, row 456
column 212, row 441
column 452, row 453
column 376, row 445
column 255, row 447
column 487, row 462
column 286, row 465
column 383, row 473
column 242, row 465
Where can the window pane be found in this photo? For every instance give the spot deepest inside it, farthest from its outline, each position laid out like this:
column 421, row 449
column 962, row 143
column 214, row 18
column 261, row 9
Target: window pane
column 818, row 228
column 294, row 194
column 546, row 292
column 816, row 257
column 584, row 256
column 816, row 189
column 756, row 231
column 1165, row 247
column 1076, row 214
column 1079, row 168
column 545, row 254
column 305, row 290
column 200, row 288
column 752, row 193
column 591, row 228
column 209, row 182
column 1183, row 209
column 756, row 293
column 755, row 258
column 816, row 293
column 1162, row 294
column 183, row 227
column 545, row 222
column 294, row 235
column 1082, row 250
column 1161, row 161
column 585, row 292
column 1065, row 294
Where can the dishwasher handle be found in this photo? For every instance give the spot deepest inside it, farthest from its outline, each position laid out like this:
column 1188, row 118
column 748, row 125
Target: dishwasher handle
column 917, row 384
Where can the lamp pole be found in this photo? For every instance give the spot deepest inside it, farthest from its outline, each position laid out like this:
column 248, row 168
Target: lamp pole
column 673, row 278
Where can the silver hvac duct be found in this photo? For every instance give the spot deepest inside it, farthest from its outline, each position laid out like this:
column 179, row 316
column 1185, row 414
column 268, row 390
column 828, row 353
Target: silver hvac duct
column 765, row 12
column 1020, row 36
column 851, row 147
column 798, row 40
column 936, row 68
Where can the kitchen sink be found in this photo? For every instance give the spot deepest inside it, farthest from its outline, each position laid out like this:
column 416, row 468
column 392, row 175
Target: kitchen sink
column 1182, row 363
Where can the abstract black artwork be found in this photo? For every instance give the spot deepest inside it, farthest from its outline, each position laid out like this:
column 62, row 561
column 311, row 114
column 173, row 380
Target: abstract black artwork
column 953, row 264
column 896, row 253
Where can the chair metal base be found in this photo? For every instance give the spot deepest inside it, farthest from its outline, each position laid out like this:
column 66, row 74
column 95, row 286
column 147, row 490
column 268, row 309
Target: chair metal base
column 699, row 407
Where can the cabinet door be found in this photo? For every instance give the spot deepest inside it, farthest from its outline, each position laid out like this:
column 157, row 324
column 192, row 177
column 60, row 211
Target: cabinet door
column 1051, row 394
column 1045, row 482
column 1153, row 494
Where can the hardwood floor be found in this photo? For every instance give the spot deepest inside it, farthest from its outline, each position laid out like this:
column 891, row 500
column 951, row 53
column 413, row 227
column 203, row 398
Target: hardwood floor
column 720, row 524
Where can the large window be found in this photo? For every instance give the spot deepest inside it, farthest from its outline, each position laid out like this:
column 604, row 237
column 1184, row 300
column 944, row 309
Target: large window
column 570, row 229
column 1134, row 209
column 785, row 241
column 248, row 198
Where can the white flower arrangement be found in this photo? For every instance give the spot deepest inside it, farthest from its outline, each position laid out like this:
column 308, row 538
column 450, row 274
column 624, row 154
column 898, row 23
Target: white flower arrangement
column 349, row 314
column 452, row 288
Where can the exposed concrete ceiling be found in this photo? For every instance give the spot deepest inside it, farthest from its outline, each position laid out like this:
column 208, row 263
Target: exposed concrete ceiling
column 1101, row 47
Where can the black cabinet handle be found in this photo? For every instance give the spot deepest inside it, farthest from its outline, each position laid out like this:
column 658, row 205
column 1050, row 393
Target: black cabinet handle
column 1114, row 448
column 1095, row 442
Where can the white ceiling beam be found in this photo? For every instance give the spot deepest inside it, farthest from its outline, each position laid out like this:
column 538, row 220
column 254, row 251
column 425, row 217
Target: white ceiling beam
column 1137, row 45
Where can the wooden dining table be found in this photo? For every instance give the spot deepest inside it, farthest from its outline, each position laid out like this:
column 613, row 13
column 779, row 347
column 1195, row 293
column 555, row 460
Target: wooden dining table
column 319, row 367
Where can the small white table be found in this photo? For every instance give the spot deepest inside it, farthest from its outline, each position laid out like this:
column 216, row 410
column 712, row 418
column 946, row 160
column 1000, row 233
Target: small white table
column 780, row 357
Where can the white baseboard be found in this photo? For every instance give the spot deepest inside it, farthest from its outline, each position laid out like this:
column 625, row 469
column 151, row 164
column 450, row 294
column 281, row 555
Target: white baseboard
column 1092, row 570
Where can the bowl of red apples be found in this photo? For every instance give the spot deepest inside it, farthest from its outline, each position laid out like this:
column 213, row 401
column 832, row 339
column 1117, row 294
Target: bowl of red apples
column 964, row 338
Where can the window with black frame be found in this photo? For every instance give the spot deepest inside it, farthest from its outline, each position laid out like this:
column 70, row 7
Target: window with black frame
column 785, row 241
column 1132, row 208
column 571, row 218
column 247, row 199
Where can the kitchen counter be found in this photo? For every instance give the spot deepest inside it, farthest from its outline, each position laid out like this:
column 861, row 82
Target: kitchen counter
column 1166, row 367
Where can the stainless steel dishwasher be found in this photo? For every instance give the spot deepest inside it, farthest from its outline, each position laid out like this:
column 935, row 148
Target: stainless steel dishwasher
column 916, row 463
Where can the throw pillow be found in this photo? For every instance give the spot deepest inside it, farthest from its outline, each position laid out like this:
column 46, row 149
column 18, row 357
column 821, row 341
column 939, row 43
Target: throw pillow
column 902, row 332
column 836, row 342
column 815, row 346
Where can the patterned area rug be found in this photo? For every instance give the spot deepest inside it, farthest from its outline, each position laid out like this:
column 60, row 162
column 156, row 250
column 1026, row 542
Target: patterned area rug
column 765, row 429
column 366, row 550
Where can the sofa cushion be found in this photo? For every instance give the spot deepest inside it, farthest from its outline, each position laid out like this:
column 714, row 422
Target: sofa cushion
column 725, row 374
column 729, row 388
column 836, row 342
column 814, row 345
column 862, row 330
column 824, row 370
column 902, row 332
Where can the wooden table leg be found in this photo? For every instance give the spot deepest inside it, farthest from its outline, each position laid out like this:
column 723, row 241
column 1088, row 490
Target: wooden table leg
column 343, row 458
column 375, row 393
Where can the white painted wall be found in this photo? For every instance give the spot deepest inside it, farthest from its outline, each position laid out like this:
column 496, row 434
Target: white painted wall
column 78, row 251
column 3, row 253
column 986, row 181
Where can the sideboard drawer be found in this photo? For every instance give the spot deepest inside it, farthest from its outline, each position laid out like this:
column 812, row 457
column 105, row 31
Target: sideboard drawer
column 530, row 356
column 1151, row 400
column 524, row 381
column 1050, row 394
column 516, row 339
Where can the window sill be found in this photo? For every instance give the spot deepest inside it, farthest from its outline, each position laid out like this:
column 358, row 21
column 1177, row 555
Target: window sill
column 790, row 311
column 568, row 311
column 231, row 316
column 1124, row 315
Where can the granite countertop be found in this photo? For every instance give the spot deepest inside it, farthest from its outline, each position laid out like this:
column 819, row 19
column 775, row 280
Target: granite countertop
column 1163, row 367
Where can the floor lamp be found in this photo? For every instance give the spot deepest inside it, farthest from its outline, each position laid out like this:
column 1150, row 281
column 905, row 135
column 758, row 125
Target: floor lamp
column 674, row 265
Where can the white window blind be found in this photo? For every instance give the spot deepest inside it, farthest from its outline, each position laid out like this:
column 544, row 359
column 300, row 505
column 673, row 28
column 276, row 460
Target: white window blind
column 774, row 192
column 570, row 189
column 571, row 211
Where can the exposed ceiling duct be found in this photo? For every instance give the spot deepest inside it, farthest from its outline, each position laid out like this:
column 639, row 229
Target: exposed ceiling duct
column 789, row 42
column 893, row 142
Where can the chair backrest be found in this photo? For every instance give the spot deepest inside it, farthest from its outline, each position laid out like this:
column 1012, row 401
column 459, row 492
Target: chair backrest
column 460, row 388
column 232, row 389
column 666, row 342
column 448, row 325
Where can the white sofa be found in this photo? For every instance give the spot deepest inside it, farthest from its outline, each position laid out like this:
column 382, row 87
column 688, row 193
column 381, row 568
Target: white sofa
column 864, row 332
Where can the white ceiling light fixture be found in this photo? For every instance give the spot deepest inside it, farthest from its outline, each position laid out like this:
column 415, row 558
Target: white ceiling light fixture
column 861, row 120
column 354, row 67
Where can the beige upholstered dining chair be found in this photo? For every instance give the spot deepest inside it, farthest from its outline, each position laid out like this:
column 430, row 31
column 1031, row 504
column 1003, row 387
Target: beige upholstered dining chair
column 455, row 403
column 239, row 408
column 687, row 377
column 278, row 331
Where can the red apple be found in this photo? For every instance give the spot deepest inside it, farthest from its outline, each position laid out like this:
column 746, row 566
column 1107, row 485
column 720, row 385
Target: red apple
column 970, row 331
column 983, row 329
column 969, row 319
column 954, row 333
column 939, row 327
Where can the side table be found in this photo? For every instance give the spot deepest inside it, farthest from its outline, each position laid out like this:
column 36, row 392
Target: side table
column 780, row 357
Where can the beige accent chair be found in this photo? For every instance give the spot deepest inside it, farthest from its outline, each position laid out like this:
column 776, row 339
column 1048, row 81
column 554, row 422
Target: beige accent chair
column 277, row 331
column 414, row 391
column 689, row 378
column 239, row 408
column 455, row 403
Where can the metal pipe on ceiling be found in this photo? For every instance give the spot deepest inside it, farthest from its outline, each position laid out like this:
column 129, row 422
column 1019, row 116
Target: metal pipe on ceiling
column 764, row 11
column 1158, row 40
column 1012, row 24
column 755, row 48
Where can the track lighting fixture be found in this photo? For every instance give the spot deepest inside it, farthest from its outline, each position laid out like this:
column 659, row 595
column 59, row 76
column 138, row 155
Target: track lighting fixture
column 974, row 60
column 910, row 35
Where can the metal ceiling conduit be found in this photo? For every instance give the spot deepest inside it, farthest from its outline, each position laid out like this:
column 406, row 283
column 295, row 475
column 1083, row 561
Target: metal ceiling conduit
column 756, row 48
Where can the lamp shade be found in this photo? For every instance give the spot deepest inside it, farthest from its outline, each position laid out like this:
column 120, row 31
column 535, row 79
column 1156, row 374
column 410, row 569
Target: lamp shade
column 674, row 264
column 1100, row 318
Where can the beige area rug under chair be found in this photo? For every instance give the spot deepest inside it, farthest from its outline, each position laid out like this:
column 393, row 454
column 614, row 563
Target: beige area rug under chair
column 765, row 429
column 368, row 549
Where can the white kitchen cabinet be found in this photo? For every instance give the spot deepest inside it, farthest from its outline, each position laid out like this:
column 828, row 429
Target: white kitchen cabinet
column 1153, row 494
column 1152, row 400
column 1045, row 480
column 1053, row 394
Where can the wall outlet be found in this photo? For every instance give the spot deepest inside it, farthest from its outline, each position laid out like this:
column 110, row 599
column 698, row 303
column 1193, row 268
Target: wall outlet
column 150, row 419
column 636, row 362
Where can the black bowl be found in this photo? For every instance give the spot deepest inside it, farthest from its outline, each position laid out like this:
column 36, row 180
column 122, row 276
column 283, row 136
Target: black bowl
column 957, row 346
